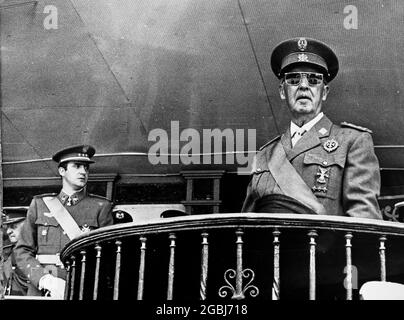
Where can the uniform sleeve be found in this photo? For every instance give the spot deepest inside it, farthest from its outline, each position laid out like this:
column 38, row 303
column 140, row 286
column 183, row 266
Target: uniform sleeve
column 105, row 216
column 361, row 182
column 7, row 270
column 248, row 205
column 27, row 248
column 249, row 201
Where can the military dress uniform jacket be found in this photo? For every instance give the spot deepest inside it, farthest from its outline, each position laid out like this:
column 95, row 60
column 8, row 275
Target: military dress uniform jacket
column 41, row 234
column 345, row 179
column 15, row 281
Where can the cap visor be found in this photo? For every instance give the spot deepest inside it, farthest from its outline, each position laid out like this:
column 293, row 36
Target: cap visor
column 13, row 220
column 77, row 159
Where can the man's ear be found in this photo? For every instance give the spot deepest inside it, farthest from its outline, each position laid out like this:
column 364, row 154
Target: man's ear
column 326, row 90
column 61, row 171
column 282, row 90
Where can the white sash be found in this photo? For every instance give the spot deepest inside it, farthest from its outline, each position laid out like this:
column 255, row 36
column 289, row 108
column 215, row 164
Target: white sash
column 290, row 182
column 63, row 217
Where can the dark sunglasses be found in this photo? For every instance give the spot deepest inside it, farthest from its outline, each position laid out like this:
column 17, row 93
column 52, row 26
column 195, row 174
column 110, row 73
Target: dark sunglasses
column 295, row 78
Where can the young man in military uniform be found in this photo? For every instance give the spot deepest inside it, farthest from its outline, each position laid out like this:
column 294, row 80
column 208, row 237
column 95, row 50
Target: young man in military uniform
column 55, row 219
column 326, row 168
column 15, row 281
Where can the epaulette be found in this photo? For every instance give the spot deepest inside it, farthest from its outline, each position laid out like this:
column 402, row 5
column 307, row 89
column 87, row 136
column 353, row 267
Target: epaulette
column 354, row 126
column 98, row 196
column 52, row 194
column 268, row 143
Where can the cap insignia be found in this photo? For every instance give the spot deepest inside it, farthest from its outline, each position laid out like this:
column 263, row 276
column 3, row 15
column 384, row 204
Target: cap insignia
column 302, row 44
column 302, row 57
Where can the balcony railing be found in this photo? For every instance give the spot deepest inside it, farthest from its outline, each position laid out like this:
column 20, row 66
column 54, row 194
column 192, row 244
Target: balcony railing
column 234, row 256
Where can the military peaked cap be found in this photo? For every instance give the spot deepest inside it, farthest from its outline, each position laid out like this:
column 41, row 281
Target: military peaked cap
column 304, row 51
column 14, row 217
column 172, row 213
column 121, row 216
column 81, row 153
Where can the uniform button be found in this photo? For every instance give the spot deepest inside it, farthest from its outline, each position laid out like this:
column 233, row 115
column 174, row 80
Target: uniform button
column 258, row 169
column 325, row 162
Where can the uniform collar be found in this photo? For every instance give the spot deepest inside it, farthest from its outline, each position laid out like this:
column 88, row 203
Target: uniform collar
column 307, row 126
column 74, row 198
column 310, row 140
column 323, row 127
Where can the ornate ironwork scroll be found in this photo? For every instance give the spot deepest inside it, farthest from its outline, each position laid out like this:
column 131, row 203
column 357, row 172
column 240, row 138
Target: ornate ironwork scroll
column 238, row 290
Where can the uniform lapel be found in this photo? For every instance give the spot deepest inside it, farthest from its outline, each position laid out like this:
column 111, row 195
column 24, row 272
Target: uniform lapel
column 323, row 127
column 78, row 196
column 62, row 197
column 312, row 138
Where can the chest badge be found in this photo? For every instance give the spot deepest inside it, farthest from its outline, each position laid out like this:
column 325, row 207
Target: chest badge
column 85, row 228
column 330, row 145
column 322, row 175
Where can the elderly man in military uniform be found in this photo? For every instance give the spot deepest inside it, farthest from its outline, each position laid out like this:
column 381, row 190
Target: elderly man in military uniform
column 316, row 165
column 15, row 281
column 55, row 219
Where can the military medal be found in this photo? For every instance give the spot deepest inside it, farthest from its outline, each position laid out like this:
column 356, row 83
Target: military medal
column 85, row 228
column 44, row 232
column 323, row 174
column 330, row 145
column 320, row 189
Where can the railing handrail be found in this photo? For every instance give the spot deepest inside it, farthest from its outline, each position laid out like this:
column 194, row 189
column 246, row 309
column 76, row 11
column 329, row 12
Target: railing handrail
column 233, row 220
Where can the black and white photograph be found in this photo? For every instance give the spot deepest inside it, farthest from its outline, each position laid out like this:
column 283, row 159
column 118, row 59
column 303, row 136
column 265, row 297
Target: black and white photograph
column 200, row 157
